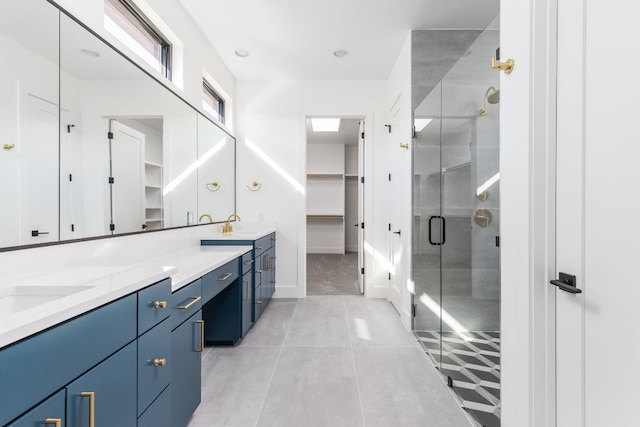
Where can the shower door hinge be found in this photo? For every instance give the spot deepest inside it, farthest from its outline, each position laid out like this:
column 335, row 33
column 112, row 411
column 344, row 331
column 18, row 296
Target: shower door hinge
column 413, row 310
column 110, row 135
column 498, row 241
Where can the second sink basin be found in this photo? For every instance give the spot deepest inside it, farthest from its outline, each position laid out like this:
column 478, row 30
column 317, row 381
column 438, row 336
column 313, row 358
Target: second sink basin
column 17, row 298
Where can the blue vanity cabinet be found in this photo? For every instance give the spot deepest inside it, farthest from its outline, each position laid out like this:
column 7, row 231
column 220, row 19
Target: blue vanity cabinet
column 247, row 291
column 51, row 411
column 187, row 344
column 261, row 294
column 154, row 364
column 223, row 314
column 106, row 394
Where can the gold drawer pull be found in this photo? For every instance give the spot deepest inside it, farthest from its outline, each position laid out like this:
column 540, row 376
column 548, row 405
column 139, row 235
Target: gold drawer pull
column 249, row 262
column 193, row 301
column 92, row 406
column 201, row 322
column 55, row 421
column 225, row 277
column 159, row 362
column 160, row 304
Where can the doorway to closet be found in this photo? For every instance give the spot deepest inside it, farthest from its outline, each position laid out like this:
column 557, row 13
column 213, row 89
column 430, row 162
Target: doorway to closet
column 335, row 200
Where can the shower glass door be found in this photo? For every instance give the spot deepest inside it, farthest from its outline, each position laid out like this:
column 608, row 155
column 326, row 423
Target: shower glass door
column 456, row 252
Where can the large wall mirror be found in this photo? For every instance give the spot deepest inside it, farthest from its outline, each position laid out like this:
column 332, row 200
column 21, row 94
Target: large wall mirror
column 92, row 145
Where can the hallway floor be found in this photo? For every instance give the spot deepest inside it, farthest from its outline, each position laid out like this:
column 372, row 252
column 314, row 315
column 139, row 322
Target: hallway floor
column 325, row 361
column 331, row 274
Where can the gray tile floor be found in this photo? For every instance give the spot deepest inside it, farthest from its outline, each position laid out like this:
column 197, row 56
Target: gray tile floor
column 330, row 274
column 325, row 361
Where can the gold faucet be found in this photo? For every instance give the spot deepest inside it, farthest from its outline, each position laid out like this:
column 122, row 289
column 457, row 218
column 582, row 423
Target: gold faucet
column 227, row 226
column 205, row 215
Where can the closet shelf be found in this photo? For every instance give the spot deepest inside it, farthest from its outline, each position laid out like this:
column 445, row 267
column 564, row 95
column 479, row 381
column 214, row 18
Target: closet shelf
column 325, row 217
column 325, row 176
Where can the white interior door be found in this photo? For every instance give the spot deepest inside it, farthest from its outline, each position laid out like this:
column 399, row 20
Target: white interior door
column 597, row 214
column 39, row 175
column 127, row 170
column 361, row 206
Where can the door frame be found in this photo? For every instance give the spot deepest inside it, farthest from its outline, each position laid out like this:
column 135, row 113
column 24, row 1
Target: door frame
column 528, row 34
column 362, row 206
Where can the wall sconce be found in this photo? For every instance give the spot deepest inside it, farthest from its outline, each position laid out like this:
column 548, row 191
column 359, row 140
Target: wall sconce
column 255, row 186
column 213, row 186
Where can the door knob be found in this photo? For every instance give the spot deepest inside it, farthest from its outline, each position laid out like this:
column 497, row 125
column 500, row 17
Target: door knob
column 567, row 283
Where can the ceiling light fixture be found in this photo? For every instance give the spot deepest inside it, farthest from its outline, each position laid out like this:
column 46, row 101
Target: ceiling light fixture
column 91, row 53
column 242, row 53
column 325, row 125
column 340, row 53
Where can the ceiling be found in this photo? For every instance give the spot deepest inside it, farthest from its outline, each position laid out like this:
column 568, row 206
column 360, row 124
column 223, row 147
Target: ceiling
column 347, row 134
column 296, row 39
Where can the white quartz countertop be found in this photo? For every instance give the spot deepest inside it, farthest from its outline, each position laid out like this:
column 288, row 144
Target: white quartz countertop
column 243, row 231
column 32, row 303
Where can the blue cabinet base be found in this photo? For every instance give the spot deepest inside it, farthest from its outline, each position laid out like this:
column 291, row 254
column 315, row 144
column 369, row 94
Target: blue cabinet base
column 223, row 316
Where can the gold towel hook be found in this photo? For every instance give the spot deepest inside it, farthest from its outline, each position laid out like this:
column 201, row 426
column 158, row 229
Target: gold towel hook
column 255, row 186
column 213, row 186
column 405, row 146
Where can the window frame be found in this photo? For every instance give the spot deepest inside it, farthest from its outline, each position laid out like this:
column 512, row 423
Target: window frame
column 140, row 21
column 209, row 91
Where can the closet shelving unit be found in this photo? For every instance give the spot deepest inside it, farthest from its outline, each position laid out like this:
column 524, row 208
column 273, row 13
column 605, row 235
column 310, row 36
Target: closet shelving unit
column 154, row 214
column 325, row 213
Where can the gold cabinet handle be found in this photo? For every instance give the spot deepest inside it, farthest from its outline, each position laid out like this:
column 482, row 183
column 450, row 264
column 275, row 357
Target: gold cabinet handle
column 92, row 406
column 249, row 262
column 193, row 301
column 159, row 362
column 8, row 147
column 225, row 277
column 201, row 322
column 57, row 422
column 160, row 304
column 506, row 66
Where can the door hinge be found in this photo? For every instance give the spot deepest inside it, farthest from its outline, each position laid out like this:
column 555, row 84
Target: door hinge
column 112, row 227
column 413, row 310
column 389, row 227
column 362, row 270
column 389, row 177
column 362, row 180
column 73, row 227
column 362, row 135
column 110, row 135
column 70, row 177
column 111, row 180
column 389, row 276
column 362, row 225
column 69, row 128
column 498, row 241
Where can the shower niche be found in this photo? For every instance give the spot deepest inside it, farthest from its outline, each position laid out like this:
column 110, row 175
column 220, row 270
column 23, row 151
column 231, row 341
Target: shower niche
column 456, row 219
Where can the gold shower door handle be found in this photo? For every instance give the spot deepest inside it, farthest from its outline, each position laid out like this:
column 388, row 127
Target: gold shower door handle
column 92, row 406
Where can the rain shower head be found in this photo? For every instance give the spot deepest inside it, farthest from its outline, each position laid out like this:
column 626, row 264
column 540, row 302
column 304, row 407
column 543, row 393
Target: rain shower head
column 491, row 96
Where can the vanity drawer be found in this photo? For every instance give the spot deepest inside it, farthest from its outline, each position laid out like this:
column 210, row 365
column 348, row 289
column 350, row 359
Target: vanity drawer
column 153, row 305
column 159, row 413
column 185, row 302
column 154, row 364
column 247, row 262
column 214, row 282
column 263, row 243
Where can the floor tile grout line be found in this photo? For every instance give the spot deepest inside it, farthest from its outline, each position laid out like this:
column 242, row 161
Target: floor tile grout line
column 353, row 359
column 275, row 368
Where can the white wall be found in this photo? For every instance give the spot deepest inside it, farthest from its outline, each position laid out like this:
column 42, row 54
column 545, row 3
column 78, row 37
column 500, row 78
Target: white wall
column 271, row 120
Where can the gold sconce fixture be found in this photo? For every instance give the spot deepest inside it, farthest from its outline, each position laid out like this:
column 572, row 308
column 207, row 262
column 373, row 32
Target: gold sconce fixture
column 8, row 147
column 213, row 186
column 205, row 216
column 255, row 186
column 405, row 146
column 506, row 66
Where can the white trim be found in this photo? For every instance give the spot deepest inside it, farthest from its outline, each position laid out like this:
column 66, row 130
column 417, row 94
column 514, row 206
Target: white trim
column 228, row 101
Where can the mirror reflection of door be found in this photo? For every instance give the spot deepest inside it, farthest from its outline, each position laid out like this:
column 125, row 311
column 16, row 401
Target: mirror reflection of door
column 127, row 189
column 39, row 176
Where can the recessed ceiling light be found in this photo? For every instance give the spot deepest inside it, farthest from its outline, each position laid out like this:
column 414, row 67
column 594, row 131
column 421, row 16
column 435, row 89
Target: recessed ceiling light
column 242, row 53
column 91, row 53
column 325, row 125
column 341, row 53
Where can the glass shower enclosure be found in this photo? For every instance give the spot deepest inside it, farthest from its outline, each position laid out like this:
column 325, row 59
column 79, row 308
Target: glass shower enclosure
column 456, row 224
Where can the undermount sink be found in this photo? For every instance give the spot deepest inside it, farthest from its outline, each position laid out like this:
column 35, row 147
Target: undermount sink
column 17, row 298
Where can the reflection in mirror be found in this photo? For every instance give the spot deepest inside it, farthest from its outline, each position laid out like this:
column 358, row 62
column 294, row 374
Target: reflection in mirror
column 28, row 123
column 216, row 173
column 123, row 129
